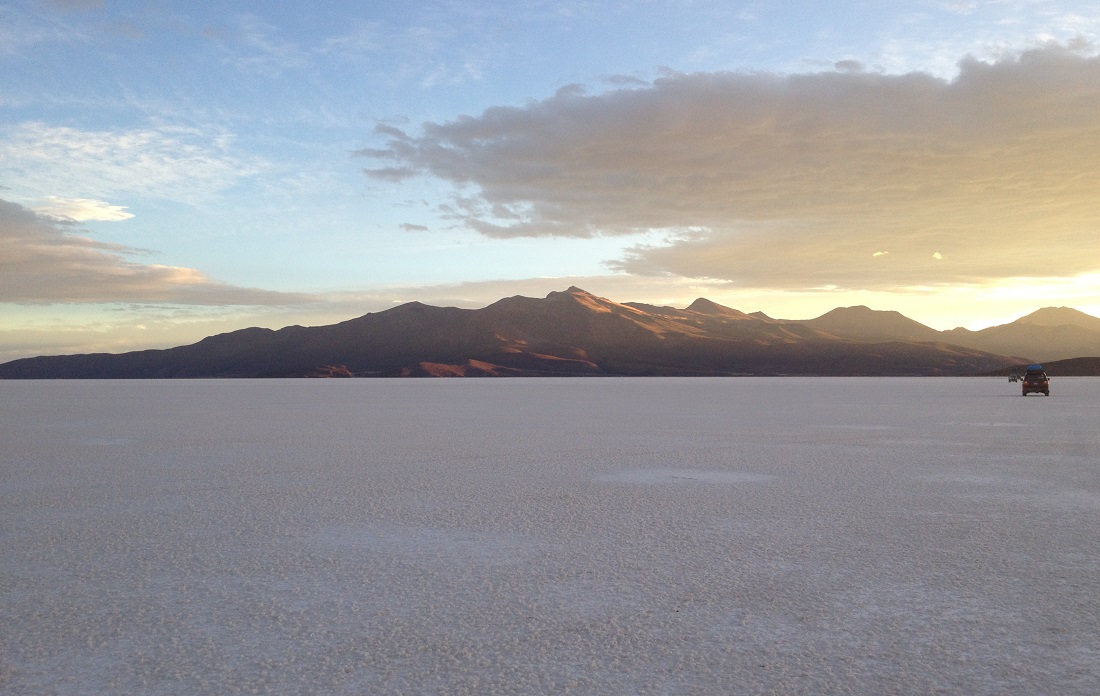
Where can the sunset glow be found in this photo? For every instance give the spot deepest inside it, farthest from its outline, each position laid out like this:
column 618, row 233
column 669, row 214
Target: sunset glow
column 171, row 172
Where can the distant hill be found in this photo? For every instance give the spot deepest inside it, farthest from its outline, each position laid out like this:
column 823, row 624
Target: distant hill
column 1046, row 335
column 566, row 333
column 867, row 324
column 1074, row 367
column 1061, row 316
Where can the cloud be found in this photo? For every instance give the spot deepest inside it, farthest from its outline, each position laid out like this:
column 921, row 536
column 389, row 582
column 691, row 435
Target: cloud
column 431, row 46
column 20, row 31
column 43, row 261
column 268, row 54
column 788, row 181
column 190, row 165
column 83, row 209
column 74, row 5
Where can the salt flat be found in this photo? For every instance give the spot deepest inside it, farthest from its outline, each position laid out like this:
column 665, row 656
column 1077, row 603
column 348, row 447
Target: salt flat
column 590, row 536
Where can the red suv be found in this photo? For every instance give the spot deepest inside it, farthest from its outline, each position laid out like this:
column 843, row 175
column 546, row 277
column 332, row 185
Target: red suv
column 1036, row 380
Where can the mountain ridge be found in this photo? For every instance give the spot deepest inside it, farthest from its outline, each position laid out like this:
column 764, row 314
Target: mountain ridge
column 576, row 333
column 1046, row 335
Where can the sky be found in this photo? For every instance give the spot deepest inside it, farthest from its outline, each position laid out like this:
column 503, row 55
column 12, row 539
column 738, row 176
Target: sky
column 172, row 170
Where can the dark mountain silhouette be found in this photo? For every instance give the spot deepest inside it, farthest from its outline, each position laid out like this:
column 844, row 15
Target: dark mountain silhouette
column 1073, row 367
column 566, row 333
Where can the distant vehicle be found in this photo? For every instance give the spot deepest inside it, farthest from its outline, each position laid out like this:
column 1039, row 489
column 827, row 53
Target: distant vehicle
column 1014, row 377
column 1036, row 381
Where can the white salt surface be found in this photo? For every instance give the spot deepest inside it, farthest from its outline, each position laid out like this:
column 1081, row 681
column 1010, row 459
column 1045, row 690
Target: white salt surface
column 589, row 536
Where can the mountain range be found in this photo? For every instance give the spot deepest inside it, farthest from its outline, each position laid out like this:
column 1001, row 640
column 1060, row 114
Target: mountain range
column 576, row 333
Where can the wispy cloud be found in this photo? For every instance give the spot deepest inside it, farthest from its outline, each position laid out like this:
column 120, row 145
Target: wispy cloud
column 436, row 45
column 83, row 210
column 266, row 52
column 20, row 32
column 796, row 181
column 176, row 163
column 74, row 5
column 44, row 261
column 433, row 48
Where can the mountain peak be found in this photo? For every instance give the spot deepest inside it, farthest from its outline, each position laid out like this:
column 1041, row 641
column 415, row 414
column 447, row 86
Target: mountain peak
column 1060, row 316
column 576, row 296
column 574, row 293
column 863, row 322
column 705, row 306
column 854, row 311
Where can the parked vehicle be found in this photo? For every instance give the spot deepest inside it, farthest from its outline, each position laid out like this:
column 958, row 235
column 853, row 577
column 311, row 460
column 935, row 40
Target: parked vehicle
column 1036, row 381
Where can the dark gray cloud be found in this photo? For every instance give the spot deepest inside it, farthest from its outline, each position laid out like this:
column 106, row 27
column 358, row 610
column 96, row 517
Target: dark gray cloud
column 846, row 178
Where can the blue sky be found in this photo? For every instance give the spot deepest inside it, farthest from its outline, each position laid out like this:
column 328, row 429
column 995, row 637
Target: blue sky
column 171, row 170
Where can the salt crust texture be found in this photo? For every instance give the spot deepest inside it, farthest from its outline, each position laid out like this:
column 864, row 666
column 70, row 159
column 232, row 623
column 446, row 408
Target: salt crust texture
column 588, row 536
